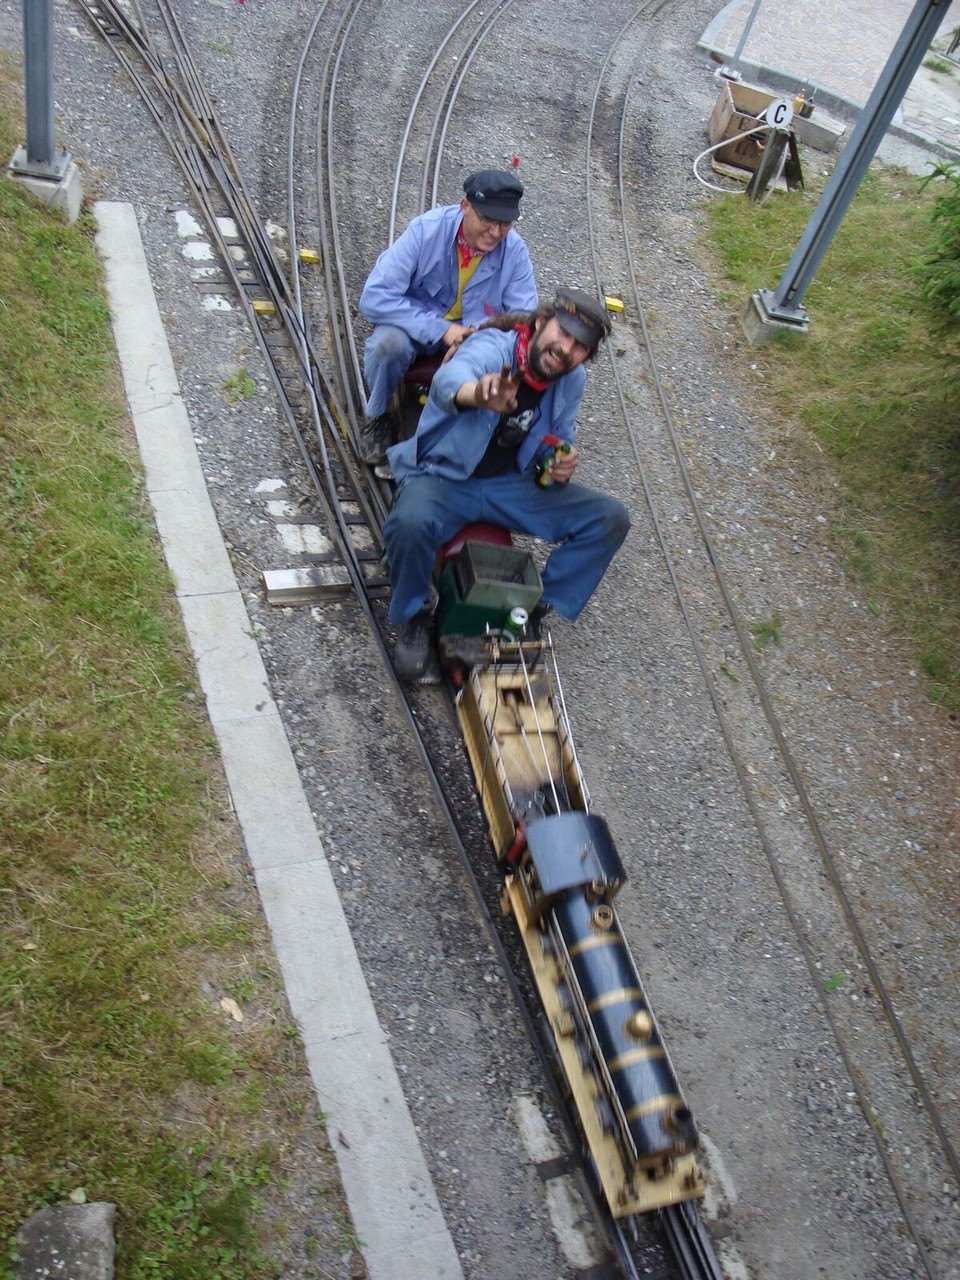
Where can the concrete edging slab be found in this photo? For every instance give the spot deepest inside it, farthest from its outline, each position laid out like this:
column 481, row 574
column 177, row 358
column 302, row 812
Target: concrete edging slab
column 395, row 1208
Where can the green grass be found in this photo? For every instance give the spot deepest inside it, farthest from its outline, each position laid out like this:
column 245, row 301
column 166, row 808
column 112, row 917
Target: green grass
column 239, row 386
column 766, row 632
column 875, row 383
column 125, row 913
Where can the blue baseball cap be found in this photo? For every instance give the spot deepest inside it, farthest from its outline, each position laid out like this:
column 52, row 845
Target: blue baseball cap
column 583, row 316
column 495, row 193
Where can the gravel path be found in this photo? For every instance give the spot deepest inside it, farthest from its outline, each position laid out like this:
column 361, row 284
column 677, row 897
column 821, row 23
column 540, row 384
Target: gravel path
column 798, row 1189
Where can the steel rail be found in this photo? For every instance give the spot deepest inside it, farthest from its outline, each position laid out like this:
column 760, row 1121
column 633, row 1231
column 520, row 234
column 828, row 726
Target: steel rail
column 321, row 483
column 337, row 320
column 650, row 11
column 350, row 388
column 187, row 121
column 327, row 404
column 783, row 748
column 451, row 92
column 331, row 249
column 813, row 823
column 688, row 1257
column 448, row 809
column 411, row 116
column 202, row 166
column 351, row 377
column 682, row 1225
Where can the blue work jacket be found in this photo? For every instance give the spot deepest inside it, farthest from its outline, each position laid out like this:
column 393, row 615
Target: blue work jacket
column 450, row 442
column 414, row 282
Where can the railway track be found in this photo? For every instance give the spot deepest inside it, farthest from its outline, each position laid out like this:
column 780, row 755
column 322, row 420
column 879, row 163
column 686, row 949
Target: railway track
column 688, row 576
column 618, row 80
column 307, row 338
column 318, row 400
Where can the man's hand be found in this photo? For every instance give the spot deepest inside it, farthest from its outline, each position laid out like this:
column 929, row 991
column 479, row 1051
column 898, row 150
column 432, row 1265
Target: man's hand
column 455, row 334
column 497, row 391
column 564, row 465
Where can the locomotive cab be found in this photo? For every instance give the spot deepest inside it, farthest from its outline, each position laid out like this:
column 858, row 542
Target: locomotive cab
column 487, row 589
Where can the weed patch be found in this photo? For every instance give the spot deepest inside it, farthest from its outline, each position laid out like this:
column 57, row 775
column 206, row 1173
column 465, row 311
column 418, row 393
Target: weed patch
column 875, row 383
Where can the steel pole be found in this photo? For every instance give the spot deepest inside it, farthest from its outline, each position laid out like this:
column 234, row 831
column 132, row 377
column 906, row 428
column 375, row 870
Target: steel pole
column 38, row 158
column 786, row 302
column 738, row 52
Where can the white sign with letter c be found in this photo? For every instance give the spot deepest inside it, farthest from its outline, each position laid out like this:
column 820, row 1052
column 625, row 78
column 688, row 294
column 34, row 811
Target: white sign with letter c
column 779, row 113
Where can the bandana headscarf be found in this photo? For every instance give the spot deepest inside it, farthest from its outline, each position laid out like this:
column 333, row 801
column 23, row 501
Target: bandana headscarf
column 466, row 253
column 523, row 364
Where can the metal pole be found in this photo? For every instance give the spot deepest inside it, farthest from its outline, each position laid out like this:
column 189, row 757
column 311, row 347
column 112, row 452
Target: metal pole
column 738, row 52
column 38, row 158
column 786, row 302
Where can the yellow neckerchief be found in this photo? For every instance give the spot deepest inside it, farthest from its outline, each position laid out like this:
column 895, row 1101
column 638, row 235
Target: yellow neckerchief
column 469, row 260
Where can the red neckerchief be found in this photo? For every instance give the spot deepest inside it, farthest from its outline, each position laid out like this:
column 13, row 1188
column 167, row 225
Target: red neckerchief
column 523, row 367
column 466, row 253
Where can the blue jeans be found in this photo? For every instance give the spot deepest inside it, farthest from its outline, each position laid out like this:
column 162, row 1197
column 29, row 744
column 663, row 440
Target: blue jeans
column 388, row 354
column 428, row 510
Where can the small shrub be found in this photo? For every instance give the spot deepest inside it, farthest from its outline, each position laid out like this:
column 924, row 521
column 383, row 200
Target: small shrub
column 940, row 269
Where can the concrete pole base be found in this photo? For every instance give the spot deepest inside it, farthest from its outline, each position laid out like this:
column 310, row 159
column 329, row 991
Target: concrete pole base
column 759, row 324
column 64, row 193
column 74, row 1240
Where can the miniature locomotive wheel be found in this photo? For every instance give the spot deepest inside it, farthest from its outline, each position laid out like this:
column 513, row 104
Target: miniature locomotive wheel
column 602, row 918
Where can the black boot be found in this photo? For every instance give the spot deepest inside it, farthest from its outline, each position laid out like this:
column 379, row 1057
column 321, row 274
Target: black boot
column 376, row 436
column 412, row 653
column 535, row 621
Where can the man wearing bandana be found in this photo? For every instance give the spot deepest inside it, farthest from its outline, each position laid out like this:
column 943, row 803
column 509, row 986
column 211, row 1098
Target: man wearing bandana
column 505, row 401
column 451, row 270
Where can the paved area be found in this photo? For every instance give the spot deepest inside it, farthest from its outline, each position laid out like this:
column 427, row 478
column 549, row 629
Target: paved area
column 835, row 50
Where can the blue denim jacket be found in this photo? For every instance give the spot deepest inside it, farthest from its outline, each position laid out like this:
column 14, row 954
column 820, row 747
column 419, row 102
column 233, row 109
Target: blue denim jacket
column 450, row 442
column 414, row 282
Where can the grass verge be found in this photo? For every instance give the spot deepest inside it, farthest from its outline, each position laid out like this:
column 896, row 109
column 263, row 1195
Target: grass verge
column 875, row 381
column 146, row 1051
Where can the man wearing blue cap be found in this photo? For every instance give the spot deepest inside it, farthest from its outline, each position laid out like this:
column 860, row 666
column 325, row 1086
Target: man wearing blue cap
column 452, row 269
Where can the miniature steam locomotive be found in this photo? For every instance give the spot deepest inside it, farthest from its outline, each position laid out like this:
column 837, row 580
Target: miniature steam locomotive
column 562, row 873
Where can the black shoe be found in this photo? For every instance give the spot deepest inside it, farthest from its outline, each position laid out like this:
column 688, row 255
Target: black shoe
column 412, row 653
column 535, row 621
column 431, row 672
column 376, row 436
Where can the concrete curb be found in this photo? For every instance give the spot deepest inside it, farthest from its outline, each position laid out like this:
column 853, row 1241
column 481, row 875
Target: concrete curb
column 394, row 1206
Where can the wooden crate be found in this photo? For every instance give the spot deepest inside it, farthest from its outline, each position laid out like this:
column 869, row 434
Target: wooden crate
column 735, row 113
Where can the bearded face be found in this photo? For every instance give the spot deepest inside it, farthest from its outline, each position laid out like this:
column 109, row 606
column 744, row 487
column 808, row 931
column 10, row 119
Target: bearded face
column 553, row 352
